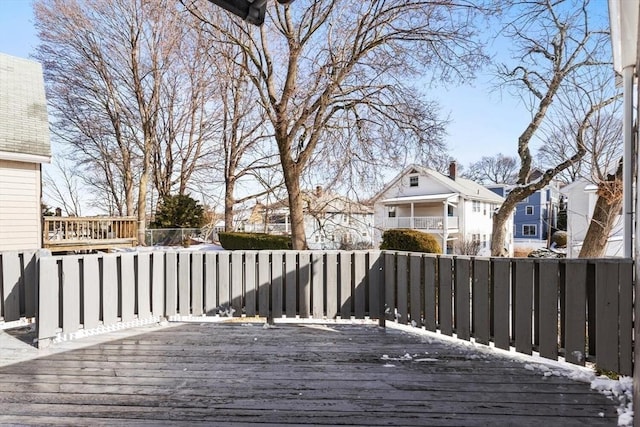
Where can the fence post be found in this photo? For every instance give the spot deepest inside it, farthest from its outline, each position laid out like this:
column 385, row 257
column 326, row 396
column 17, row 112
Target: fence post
column 382, row 318
column 48, row 318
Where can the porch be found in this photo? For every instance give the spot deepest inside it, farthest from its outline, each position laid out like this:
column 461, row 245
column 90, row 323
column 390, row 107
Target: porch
column 435, row 224
column 242, row 373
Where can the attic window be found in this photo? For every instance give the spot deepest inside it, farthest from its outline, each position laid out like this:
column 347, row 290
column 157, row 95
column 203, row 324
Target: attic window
column 413, row 181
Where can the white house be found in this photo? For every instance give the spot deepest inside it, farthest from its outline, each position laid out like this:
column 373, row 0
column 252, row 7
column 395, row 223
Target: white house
column 24, row 146
column 581, row 200
column 456, row 210
column 331, row 221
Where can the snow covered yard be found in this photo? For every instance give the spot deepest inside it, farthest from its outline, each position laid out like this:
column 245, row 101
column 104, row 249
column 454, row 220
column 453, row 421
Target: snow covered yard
column 247, row 373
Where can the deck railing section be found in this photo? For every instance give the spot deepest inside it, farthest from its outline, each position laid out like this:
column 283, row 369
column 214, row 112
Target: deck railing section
column 18, row 286
column 69, row 233
column 579, row 309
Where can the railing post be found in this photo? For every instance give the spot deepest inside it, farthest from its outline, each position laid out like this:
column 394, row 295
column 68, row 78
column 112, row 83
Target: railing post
column 382, row 291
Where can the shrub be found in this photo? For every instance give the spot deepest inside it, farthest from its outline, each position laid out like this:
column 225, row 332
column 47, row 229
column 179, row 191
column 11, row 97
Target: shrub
column 179, row 211
column 239, row 241
column 410, row 240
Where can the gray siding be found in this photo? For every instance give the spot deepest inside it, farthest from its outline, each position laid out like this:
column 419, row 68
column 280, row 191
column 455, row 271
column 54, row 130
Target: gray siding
column 24, row 126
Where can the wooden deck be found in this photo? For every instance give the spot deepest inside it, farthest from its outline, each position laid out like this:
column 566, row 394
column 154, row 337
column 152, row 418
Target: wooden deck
column 246, row 374
column 69, row 234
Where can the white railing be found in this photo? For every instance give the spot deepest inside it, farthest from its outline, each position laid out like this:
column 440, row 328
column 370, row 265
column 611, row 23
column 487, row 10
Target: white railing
column 422, row 222
column 269, row 228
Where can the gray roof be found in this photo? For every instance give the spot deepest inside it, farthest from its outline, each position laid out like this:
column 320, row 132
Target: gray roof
column 24, row 125
column 467, row 188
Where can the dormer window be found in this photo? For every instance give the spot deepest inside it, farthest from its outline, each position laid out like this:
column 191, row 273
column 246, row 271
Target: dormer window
column 413, row 181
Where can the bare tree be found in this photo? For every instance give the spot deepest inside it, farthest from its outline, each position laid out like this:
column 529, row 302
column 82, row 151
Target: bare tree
column 499, row 169
column 245, row 142
column 61, row 188
column 559, row 53
column 129, row 82
column 605, row 213
column 601, row 166
column 333, row 78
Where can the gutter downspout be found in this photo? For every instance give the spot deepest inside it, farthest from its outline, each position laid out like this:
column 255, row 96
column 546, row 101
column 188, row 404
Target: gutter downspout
column 627, row 166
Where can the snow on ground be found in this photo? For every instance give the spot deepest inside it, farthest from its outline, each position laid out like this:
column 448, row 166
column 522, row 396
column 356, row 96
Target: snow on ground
column 201, row 247
column 619, row 390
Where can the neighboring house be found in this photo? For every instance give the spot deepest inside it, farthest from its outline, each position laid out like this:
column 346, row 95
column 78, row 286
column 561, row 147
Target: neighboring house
column 534, row 217
column 581, row 200
column 331, row 221
column 24, row 146
column 458, row 211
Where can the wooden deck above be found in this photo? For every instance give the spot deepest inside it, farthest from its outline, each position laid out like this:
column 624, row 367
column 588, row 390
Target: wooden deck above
column 303, row 374
column 64, row 234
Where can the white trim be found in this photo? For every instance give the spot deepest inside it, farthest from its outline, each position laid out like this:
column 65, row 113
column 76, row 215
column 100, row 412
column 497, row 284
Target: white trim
column 530, row 225
column 409, row 199
column 25, row 158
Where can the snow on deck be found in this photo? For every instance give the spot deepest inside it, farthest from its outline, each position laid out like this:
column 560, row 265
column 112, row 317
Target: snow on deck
column 248, row 373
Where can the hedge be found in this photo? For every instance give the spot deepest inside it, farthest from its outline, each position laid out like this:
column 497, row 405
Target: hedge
column 401, row 239
column 248, row 241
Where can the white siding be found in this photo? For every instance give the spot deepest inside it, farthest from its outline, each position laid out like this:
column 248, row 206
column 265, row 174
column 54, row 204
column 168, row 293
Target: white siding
column 20, row 212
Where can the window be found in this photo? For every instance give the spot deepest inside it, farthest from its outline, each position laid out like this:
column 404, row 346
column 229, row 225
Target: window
column 475, row 238
column 475, row 206
column 529, row 230
column 392, row 213
column 528, row 210
column 413, row 181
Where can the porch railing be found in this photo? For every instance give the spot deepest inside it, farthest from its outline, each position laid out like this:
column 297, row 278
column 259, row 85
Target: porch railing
column 579, row 309
column 270, row 228
column 423, row 222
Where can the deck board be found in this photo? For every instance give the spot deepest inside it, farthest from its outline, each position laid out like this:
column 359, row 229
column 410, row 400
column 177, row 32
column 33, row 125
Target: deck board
column 245, row 374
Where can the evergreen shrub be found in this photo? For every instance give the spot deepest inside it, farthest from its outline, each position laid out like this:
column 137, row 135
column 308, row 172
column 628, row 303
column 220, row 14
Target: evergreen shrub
column 407, row 240
column 249, row 241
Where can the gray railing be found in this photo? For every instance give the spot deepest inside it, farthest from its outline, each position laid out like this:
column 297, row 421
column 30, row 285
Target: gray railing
column 579, row 309
column 18, row 286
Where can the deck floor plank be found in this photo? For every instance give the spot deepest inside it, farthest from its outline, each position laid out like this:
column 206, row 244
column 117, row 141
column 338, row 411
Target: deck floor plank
column 243, row 374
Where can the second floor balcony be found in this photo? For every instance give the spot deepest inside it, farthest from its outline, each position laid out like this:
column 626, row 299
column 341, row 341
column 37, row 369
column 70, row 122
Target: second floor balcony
column 427, row 223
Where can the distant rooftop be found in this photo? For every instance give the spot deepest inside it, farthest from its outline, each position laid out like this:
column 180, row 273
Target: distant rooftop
column 24, row 125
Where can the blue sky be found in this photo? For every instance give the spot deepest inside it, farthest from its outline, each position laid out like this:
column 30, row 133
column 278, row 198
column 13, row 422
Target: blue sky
column 484, row 122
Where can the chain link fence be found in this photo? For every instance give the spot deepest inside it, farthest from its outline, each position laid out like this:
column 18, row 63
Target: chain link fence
column 180, row 236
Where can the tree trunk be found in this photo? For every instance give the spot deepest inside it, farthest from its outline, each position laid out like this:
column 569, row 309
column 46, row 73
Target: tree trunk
column 142, row 200
column 229, row 201
column 499, row 229
column 604, row 216
column 296, row 211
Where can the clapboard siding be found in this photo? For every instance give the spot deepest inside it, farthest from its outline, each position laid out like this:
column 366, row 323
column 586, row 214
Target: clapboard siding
column 20, row 211
column 579, row 309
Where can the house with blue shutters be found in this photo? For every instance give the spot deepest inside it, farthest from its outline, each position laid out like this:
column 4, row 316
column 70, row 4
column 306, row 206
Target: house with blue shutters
column 535, row 217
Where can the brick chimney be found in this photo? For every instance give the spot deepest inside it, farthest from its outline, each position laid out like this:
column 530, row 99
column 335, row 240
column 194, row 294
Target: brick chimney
column 452, row 170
